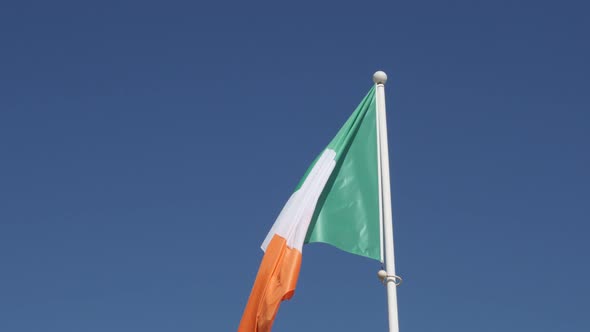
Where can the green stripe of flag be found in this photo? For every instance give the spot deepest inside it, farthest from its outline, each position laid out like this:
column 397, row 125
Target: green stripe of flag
column 347, row 213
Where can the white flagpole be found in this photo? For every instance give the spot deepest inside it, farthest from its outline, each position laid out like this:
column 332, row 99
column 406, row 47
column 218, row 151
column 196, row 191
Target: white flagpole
column 388, row 276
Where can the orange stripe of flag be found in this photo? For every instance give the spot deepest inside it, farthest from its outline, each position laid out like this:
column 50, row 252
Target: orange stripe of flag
column 275, row 282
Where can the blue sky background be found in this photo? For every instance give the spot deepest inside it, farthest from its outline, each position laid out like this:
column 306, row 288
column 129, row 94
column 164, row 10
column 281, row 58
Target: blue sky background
column 146, row 148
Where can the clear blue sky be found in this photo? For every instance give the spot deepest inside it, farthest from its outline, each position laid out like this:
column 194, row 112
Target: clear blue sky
column 146, row 148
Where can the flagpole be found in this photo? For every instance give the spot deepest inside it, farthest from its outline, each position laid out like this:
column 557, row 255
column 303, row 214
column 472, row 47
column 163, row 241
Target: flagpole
column 388, row 276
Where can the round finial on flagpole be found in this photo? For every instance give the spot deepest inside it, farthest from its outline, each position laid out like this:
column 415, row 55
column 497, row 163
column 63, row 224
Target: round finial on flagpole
column 379, row 77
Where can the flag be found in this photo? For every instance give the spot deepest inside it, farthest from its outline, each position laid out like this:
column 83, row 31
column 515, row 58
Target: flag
column 336, row 202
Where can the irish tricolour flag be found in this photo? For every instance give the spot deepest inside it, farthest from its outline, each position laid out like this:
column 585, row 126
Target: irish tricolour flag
column 336, row 202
